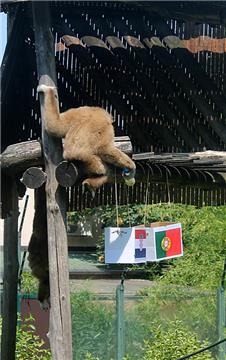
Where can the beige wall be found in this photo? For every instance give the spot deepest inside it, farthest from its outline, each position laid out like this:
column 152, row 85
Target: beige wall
column 28, row 220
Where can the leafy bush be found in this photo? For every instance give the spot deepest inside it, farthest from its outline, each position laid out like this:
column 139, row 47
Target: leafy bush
column 89, row 356
column 29, row 284
column 196, row 309
column 28, row 345
column 204, row 251
column 173, row 342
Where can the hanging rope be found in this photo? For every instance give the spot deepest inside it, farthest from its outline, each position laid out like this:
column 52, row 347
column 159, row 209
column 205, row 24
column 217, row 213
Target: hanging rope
column 127, row 204
column 167, row 187
column 116, row 201
column 146, row 199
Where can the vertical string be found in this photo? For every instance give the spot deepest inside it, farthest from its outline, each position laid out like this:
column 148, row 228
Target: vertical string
column 167, row 186
column 146, row 199
column 168, row 191
column 127, row 204
column 116, row 201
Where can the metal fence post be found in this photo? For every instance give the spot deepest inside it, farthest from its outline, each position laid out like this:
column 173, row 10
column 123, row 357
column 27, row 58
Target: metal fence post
column 120, row 321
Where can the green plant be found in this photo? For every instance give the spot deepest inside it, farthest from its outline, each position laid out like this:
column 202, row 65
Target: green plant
column 29, row 346
column 29, row 284
column 89, row 356
column 195, row 308
column 204, row 250
column 172, row 342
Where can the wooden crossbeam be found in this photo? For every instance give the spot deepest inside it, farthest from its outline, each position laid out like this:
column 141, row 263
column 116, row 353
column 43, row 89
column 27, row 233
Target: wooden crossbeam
column 203, row 158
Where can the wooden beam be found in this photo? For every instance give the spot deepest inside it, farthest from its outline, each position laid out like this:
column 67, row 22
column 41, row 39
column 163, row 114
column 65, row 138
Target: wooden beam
column 18, row 157
column 188, row 158
column 10, row 279
column 60, row 312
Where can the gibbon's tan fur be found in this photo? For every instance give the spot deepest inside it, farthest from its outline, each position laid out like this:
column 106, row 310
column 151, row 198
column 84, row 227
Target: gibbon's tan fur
column 89, row 137
column 38, row 247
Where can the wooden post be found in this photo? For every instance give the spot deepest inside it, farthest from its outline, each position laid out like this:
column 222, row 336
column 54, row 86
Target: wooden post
column 11, row 268
column 60, row 312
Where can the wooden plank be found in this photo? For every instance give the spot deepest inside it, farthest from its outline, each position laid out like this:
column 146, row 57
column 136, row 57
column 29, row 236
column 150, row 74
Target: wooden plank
column 143, row 156
column 60, row 312
column 10, row 279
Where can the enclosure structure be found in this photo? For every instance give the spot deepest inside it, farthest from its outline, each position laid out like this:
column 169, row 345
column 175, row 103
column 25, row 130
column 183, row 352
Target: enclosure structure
column 157, row 67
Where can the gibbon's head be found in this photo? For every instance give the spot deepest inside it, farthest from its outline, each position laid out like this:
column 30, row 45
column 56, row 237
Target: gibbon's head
column 129, row 176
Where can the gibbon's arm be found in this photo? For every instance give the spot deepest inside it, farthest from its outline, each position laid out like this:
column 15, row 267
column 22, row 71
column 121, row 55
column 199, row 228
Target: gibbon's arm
column 55, row 123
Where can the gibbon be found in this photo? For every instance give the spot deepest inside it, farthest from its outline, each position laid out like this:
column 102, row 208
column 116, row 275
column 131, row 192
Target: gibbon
column 38, row 247
column 89, row 138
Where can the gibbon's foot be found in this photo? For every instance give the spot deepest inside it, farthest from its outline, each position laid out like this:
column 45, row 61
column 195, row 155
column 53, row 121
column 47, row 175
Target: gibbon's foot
column 45, row 305
column 87, row 188
column 43, row 88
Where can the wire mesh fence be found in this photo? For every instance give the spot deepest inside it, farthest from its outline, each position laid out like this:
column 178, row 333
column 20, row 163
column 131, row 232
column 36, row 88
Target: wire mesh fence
column 129, row 330
column 161, row 323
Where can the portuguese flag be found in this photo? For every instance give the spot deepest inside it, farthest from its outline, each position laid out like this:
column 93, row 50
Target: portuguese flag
column 168, row 243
